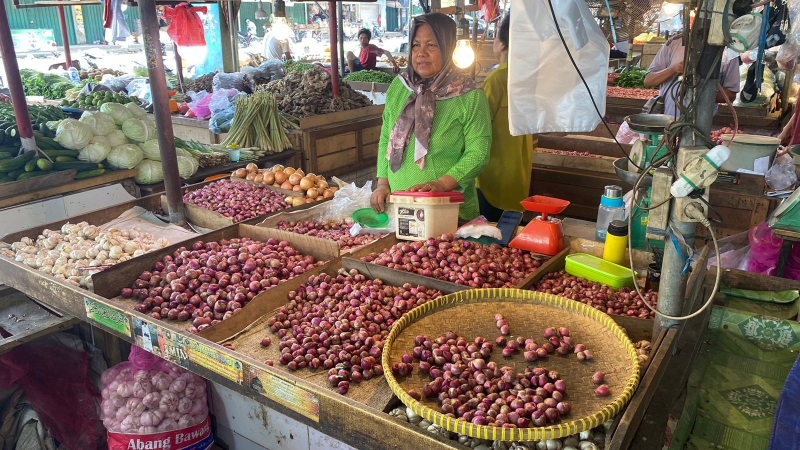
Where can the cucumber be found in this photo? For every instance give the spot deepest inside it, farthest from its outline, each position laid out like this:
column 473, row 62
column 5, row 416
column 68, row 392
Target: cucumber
column 6, row 179
column 80, row 165
column 89, row 174
column 63, row 159
column 46, row 131
column 7, row 165
column 46, row 143
column 11, row 131
column 57, row 153
column 15, row 173
column 26, row 175
column 45, row 164
column 30, row 166
column 6, row 155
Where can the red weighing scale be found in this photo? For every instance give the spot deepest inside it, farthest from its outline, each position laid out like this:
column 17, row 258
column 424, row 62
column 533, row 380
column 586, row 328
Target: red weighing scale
column 543, row 234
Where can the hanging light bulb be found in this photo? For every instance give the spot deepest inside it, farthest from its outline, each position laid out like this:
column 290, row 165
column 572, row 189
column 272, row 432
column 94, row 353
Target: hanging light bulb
column 280, row 26
column 463, row 56
column 260, row 13
column 669, row 9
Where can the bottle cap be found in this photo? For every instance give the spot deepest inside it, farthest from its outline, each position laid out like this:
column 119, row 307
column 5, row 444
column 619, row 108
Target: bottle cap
column 613, row 191
column 618, row 228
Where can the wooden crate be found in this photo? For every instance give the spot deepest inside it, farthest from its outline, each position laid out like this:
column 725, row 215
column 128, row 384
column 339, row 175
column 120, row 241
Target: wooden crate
column 339, row 143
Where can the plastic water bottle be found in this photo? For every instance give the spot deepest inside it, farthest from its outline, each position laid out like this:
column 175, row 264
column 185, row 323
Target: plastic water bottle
column 611, row 208
column 73, row 74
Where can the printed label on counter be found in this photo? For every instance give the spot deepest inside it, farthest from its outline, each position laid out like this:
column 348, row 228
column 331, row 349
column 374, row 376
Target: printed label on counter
column 107, row 316
column 215, row 361
column 285, row 393
column 407, row 219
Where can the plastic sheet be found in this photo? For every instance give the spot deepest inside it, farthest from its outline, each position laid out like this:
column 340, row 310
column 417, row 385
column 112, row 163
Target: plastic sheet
column 117, row 84
column 57, row 383
column 237, row 80
column 546, row 94
column 478, row 227
column 782, row 173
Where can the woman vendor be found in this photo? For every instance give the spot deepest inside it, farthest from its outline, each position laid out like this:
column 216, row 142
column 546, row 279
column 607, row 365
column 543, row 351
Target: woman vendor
column 506, row 180
column 436, row 130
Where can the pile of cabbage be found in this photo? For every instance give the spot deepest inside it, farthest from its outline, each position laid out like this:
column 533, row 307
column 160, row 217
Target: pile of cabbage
column 121, row 137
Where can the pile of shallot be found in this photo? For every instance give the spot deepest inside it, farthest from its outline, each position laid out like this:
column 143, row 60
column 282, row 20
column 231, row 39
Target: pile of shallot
column 79, row 250
column 142, row 401
column 334, row 230
column 239, row 201
column 340, row 324
column 471, row 388
column 214, row 280
column 621, row 92
column 461, row 262
column 626, row 301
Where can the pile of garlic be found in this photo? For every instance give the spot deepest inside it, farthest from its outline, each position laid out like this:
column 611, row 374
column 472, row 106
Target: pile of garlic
column 587, row 440
column 643, row 352
column 77, row 251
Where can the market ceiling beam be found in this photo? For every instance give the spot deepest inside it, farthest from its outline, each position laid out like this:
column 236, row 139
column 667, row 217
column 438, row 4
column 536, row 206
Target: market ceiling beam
column 14, row 81
column 158, row 90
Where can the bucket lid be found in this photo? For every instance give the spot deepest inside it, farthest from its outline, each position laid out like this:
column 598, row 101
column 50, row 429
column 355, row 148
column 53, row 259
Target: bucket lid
column 454, row 196
column 751, row 139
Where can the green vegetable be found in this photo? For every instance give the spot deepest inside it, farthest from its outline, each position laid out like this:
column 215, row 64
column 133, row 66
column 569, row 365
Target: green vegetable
column 31, row 165
column 89, row 174
column 45, row 164
column 8, row 165
column 631, row 78
column 80, row 165
column 295, row 66
column 5, row 155
column 63, row 159
column 26, row 175
column 57, row 153
column 370, row 76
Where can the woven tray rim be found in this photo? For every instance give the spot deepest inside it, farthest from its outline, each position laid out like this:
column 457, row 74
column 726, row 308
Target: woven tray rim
column 556, row 431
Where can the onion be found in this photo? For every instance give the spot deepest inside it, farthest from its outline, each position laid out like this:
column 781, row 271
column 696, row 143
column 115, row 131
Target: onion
column 280, row 177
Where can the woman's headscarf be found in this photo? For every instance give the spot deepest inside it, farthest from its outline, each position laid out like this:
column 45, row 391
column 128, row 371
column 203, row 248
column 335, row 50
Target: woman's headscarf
column 417, row 114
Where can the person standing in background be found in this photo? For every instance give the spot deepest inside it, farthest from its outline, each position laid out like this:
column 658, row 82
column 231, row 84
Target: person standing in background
column 275, row 48
column 506, row 180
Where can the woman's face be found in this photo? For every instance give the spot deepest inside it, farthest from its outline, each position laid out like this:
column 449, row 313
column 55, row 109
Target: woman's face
column 426, row 56
column 498, row 48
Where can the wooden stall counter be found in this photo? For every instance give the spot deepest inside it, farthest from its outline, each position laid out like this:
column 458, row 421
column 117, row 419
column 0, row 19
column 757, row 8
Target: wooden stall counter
column 123, row 177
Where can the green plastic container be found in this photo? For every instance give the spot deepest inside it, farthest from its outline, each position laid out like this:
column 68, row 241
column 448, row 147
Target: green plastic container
column 598, row 270
column 367, row 217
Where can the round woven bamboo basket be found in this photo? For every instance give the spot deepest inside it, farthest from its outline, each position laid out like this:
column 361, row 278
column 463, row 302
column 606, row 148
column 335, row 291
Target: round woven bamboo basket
column 471, row 313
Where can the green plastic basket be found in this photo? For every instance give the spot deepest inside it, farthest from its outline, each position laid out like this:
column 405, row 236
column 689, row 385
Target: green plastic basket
column 367, row 217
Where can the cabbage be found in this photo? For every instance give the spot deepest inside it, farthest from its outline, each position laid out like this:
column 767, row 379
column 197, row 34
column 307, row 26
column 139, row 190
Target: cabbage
column 151, row 150
column 97, row 150
column 73, row 135
column 116, row 138
column 136, row 111
column 126, row 156
column 182, row 152
column 139, row 130
column 119, row 112
column 100, row 123
column 186, row 167
column 149, row 172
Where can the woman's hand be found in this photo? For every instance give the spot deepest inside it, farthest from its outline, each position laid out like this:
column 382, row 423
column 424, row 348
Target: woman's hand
column 379, row 195
column 443, row 184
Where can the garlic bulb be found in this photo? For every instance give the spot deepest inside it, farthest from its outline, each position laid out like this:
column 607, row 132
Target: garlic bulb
column 599, row 436
column 412, row 416
column 588, row 445
column 471, row 442
column 399, row 413
column 520, row 446
column 423, row 424
column 586, row 435
column 570, row 441
column 500, row 445
column 483, row 447
column 550, row 444
column 63, row 252
column 438, row 430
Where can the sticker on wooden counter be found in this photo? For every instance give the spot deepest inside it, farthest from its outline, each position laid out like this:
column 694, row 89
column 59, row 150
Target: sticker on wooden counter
column 107, row 316
column 284, row 392
column 215, row 361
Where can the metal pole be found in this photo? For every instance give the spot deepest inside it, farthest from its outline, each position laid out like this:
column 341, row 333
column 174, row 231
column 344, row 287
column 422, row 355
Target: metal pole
column 15, row 82
column 671, row 290
column 341, row 38
column 158, row 90
column 232, row 17
column 334, row 53
column 62, row 20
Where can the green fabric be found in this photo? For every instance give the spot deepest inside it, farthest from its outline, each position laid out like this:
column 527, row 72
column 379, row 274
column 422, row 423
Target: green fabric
column 734, row 387
column 777, row 310
column 763, row 296
column 459, row 144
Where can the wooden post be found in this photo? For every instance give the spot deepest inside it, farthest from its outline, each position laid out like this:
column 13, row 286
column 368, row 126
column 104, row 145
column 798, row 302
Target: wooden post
column 334, row 51
column 228, row 62
column 158, row 90
column 62, row 20
column 15, row 82
column 178, row 65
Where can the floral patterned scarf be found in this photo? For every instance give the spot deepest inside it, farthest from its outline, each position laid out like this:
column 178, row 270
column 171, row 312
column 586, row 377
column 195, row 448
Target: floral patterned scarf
column 417, row 114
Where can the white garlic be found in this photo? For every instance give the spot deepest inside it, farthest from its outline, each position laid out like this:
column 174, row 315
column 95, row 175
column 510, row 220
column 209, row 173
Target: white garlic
column 499, row 445
column 437, row 430
column 423, row 424
column 588, row 445
column 586, row 435
column 550, row 444
column 571, row 441
column 399, row 413
column 412, row 416
column 483, row 447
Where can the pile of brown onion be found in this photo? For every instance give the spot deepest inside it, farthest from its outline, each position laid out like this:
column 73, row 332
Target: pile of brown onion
column 626, row 301
column 458, row 261
column 340, row 324
column 211, row 281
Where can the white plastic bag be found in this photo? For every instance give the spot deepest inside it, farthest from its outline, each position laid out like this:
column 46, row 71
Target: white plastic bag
column 545, row 93
column 782, row 174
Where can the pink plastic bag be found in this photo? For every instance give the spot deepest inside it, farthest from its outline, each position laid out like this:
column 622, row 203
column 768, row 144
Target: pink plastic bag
column 186, row 28
column 765, row 247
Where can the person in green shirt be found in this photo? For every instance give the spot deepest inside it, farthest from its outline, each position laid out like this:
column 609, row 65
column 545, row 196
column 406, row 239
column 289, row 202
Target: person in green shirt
column 436, row 132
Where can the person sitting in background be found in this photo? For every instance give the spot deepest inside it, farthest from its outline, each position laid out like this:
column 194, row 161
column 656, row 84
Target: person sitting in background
column 275, row 48
column 368, row 58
